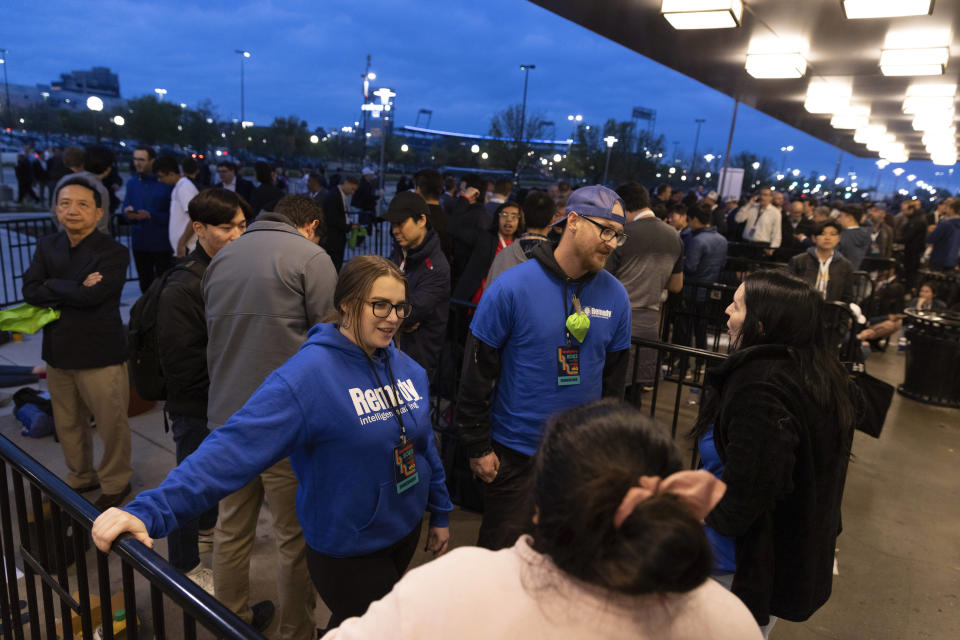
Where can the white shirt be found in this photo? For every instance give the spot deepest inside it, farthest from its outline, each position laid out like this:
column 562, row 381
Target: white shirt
column 823, row 275
column 183, row 193
column 643, row 213
column 762, row 226
column 230, row 187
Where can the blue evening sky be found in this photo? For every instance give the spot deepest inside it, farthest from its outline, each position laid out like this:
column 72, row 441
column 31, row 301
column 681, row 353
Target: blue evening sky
column 459, row 58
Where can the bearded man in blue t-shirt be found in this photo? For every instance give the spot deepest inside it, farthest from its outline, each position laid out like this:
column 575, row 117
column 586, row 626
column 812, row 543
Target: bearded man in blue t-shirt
column 550, row 334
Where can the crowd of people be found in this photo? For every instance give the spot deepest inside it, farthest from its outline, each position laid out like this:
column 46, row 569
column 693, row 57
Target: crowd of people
column 296, row 377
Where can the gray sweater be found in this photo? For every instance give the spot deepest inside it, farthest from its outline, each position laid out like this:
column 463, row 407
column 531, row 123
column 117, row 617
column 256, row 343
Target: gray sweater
column 262, row 293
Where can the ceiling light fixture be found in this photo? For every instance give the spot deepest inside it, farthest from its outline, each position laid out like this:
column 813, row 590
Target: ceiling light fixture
column 828, row 96
column 776, row 65
column 868, row 133
column 866, row 9
column 702, row 14
column 929, row 61
column 852, row 117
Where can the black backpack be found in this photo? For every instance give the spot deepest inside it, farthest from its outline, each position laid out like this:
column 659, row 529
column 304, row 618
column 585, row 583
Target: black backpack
column 142, row 332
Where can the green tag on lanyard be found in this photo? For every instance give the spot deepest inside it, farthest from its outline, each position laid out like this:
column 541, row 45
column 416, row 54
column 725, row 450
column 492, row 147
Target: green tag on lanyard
column 578, row 322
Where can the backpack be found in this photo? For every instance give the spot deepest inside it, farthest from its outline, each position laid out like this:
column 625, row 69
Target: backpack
column 142, row 334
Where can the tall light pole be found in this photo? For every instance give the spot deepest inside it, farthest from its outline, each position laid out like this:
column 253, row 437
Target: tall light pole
column 385, row 95
column 366, row 78
column 243, row 56
column 610, row 140
column 523, row 116
column 160, row 93
column 696, row 143
column 6, row 87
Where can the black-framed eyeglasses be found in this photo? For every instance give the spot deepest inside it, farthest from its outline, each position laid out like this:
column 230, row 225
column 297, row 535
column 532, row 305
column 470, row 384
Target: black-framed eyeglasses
column 509, row 215
column 382, row 308
column 608, row 233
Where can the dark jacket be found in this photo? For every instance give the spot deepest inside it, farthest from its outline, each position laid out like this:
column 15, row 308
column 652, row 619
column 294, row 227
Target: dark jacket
column 182, row 339
column 244, row 188
column 264, row 198
column 477, row 267
column 428, row 280
column 439, row 222
column 882, row 247
column 854, row 245
column 465, row 226
column 365, row 199
column 785, row 463
column 336, row 225
column 912, row 235
column 945, row 239
column 89, row 333
column 840, row 287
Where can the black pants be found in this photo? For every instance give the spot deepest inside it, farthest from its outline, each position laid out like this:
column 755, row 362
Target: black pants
column 508, row 504
column 188, row 433
column 349, row 585
column 150, row 265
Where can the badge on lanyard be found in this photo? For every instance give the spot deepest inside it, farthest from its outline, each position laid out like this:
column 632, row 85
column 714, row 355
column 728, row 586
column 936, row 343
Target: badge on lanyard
column 568, row 365
column 405, row 467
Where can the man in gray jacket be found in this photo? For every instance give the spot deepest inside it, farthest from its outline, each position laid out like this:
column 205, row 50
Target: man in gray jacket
column 262, row 293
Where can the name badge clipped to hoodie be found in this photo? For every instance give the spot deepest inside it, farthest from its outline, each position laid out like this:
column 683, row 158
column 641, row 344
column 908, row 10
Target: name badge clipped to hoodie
column 405, row 466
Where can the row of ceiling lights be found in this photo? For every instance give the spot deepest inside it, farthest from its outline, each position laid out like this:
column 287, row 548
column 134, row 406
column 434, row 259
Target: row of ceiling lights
column 931, row 105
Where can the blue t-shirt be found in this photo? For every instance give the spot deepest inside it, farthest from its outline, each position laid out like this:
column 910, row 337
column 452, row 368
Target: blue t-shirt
column 523, row 314
column 724, row 559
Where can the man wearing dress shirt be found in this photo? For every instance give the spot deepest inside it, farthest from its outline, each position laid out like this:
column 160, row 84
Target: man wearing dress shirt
column 763, row 220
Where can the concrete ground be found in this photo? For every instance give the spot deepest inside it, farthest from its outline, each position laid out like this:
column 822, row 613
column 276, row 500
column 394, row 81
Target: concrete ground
column 898, row 557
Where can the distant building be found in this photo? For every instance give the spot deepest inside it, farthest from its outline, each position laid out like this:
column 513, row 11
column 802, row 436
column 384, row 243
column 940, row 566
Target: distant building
column 71, row 91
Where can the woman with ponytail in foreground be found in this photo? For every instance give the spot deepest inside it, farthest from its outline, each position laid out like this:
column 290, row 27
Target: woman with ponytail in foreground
column 617, row 551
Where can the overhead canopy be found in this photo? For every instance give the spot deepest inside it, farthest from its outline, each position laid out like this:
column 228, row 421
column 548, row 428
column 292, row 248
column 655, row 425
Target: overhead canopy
column 834, row 47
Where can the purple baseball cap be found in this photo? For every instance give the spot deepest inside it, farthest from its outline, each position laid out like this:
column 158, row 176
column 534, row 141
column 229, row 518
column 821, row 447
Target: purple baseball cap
column 597, row 202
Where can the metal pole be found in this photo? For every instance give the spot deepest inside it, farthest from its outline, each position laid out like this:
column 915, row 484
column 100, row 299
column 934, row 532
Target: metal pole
column 836, row 173
column 6, row 88
column 243, row 113
column 606, row 165
column 726, row 154
column 363, row 114
column 523, row 115
column 696, row 143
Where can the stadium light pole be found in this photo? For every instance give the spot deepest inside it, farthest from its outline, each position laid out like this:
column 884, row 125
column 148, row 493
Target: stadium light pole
column 243, row 56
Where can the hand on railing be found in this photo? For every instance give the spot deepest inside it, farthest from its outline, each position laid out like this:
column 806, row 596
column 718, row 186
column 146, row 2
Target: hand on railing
column 113, row 522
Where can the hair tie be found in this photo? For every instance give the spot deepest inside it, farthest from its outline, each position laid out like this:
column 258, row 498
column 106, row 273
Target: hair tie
column 698, row 491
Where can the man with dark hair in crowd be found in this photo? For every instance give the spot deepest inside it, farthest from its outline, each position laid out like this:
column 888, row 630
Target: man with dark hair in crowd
column 912, row 235
column 147, row 207
column 650, row 261
column 25, row 176
column 469, row 219
column 262, row 294
column 448, row 197
column 267, row 194
column 761, row 220
column 527, row 357
column 316, row 189
column 231, row 180
column 216, row 219
column 365, row 199
column 179, row 230
column 502, row 189
column 881, row 234
column 81, row 272
column 944, row 240
column 854, row 239
column 823, row 267
column 678, row 220
column 92, row 165
column 428, row 280
column 191, row 171
column 428, row 184
column 538, row 209
column 661, row 195
column 56, row 169
column 336, row 225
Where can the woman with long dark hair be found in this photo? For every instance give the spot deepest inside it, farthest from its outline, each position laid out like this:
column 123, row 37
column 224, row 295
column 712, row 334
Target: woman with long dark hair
column 776, row 425
column 616, row 550
column 507, row 225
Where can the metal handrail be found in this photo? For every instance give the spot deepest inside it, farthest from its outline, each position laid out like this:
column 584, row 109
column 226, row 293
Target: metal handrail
column 196, row 602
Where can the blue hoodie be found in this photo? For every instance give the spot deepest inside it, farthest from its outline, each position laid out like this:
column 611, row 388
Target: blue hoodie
column 325, row 409
column 945, row 239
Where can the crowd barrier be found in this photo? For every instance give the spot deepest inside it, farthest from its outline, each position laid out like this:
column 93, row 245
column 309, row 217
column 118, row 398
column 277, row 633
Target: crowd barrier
column 49, row 537
column 18, row 243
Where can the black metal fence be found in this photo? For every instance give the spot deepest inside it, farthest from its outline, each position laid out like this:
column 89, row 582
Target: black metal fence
column 18, row 243
column 47, row 534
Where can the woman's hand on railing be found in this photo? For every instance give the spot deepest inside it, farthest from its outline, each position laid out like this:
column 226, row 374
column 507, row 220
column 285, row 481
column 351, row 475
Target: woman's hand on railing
column 113, row 522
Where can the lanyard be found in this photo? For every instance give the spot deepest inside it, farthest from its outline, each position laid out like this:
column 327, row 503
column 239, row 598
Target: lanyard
column 393, row 388
column 573, row 309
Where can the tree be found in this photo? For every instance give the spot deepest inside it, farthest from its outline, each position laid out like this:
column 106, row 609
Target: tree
column 512, row 151
column 762, row 175
column 151, row 121
column 200, row 128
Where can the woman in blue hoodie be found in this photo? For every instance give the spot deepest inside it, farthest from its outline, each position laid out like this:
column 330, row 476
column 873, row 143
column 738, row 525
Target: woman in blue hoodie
column 352, row 413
